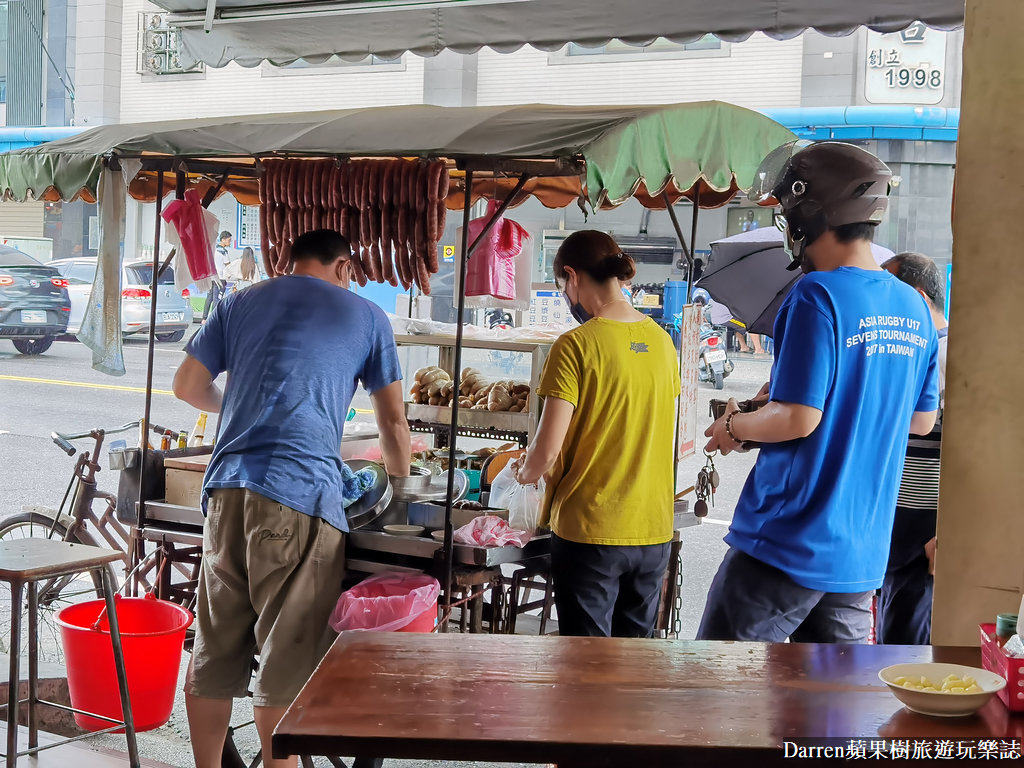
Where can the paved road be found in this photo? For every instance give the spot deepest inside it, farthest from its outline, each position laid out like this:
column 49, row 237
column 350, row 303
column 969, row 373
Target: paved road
column 59, row 391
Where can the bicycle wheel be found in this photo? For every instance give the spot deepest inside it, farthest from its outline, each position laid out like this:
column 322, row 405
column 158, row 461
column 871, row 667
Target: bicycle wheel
column 54, row 594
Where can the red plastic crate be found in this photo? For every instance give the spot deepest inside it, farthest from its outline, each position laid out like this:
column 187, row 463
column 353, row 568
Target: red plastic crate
column 994, row 660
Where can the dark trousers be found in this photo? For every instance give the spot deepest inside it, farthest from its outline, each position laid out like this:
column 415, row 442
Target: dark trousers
column 213, row 296
column 752, row 601
column 905, row 606
column 607, row 591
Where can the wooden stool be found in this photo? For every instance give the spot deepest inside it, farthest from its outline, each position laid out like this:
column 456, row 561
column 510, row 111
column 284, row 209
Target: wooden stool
column 23, row 564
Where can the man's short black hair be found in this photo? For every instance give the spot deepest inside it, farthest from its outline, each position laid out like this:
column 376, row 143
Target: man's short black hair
column 324, row 245
column 848, row 233
column 224, row 234
column 918, row 271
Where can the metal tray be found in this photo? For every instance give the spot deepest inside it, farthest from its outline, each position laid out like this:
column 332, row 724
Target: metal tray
column 424, row 547
column 374, row 501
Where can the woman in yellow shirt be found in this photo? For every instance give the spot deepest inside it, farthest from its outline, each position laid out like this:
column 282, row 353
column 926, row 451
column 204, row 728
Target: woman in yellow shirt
column 605, row 444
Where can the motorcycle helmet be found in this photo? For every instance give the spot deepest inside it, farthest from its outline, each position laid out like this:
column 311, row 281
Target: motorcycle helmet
column 820, row 186
column 700, row 296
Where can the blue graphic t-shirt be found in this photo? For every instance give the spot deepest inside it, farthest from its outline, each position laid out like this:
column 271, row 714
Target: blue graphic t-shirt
column 294, row 349
column 861, row 347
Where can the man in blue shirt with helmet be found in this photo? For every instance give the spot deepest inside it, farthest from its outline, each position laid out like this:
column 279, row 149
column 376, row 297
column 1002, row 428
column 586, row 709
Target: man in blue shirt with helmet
column 855, row 372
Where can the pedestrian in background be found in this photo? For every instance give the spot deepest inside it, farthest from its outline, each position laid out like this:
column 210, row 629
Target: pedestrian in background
column 221, row 259
column 905, row 606
column 856, row 359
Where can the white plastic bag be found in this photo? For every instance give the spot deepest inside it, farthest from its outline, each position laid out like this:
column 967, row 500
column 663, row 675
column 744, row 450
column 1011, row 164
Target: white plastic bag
column 523, row 502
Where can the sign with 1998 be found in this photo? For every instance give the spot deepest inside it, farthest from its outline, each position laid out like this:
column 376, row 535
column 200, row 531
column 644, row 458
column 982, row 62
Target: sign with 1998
column 907, row 67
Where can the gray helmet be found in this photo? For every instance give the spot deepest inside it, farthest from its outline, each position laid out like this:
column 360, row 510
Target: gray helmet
column 823, row 185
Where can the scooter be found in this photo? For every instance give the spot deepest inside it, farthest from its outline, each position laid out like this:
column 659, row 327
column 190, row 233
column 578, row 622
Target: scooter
column 713, row 363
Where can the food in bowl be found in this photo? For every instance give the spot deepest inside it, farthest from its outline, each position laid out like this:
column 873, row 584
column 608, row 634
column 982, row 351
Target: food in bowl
column 916, row 687
column 951, row 684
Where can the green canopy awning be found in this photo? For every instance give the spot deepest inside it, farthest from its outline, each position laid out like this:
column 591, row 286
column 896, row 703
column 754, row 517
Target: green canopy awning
column 627, row 151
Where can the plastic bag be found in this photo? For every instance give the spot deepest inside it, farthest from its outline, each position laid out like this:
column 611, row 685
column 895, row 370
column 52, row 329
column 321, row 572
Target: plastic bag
column 492, row 269
column 490, row 531
column 387, row 602
column 523, row 502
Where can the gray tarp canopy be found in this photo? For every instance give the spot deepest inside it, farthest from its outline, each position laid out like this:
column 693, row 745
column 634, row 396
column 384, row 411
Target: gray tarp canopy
column 282, row 31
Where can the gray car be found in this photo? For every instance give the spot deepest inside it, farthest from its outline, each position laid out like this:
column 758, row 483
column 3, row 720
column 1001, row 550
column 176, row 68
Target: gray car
column 173, row 310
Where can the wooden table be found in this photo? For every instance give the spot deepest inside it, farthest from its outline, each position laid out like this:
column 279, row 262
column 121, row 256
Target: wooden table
column 597, row 702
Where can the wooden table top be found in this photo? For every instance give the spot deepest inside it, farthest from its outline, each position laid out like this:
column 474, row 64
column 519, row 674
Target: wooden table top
column 190, row 463
column 606, row 701
column 36, row 559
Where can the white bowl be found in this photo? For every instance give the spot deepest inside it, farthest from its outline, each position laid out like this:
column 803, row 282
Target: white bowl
column 437, row 535
column 404, row 530
column 937, row 704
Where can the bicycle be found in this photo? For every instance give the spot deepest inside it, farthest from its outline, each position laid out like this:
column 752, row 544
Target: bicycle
column 75, row 522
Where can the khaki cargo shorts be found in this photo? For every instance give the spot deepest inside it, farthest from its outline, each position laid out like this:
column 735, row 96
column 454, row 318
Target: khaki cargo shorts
column 270, row 578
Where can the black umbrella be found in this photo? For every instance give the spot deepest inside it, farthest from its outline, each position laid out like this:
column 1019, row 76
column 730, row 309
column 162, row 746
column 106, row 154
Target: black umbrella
column 747, row 273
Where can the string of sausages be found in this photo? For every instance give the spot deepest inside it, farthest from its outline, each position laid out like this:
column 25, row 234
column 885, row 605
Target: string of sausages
column 391, row 211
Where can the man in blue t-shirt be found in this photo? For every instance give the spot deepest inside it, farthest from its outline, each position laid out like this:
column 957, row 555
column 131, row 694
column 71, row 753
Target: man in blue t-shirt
column 294, row 348
column 855, row 372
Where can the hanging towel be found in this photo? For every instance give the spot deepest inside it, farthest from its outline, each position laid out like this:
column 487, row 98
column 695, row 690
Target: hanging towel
column 192, row 231
column 101, row 325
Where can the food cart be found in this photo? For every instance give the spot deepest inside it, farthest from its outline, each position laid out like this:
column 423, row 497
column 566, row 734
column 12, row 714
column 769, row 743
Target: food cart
column 386, row 178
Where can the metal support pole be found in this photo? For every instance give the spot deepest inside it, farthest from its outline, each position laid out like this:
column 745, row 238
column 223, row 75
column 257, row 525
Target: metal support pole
column 688, row 253
column 152, row 346
column 33, row 664
column 13, row 679
column 467, row 251
column 467, row 205
column 693, row 242
column 122, row 677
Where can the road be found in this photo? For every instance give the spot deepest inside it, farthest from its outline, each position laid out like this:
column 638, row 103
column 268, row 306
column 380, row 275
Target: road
column 58, row 391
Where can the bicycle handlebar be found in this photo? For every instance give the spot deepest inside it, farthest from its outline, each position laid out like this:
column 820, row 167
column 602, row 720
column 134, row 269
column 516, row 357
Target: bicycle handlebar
column 62, row 443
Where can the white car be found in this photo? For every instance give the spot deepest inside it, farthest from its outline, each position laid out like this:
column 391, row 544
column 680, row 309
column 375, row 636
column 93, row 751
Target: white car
column 173, row 310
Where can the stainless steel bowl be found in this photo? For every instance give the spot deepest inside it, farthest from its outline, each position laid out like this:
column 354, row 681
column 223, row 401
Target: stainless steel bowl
column 418, row 480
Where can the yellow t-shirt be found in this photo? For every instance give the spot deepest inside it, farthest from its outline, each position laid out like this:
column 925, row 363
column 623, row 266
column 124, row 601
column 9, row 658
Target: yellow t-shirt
column 612, row 483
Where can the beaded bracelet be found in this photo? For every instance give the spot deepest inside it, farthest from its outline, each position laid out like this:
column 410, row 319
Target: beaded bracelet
column 728, row 427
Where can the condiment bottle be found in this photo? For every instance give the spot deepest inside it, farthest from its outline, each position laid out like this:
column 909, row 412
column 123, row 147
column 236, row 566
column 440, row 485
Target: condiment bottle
column 199, row 431
column 165, row 441
column 1006, row 626
column 183, row 439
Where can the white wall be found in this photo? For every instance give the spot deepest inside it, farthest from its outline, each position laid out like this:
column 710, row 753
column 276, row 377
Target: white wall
column 235, row 90
column 758, row 73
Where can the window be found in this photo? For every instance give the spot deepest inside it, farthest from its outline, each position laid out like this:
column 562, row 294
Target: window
column 159, row 48
column 707, row 45
column 81, row 273
column 142, row 274
column 333, row 66
column 3, row 52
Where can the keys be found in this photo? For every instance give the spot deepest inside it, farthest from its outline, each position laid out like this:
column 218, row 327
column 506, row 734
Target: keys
column 706, row 485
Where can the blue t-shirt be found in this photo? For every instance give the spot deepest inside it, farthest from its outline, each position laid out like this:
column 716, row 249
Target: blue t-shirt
column 294, row 349
column 861, row 347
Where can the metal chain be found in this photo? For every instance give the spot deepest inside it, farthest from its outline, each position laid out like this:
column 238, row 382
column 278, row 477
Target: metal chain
column 677, row 609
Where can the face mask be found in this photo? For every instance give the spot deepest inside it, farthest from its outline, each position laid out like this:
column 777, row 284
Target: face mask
column 579, row 314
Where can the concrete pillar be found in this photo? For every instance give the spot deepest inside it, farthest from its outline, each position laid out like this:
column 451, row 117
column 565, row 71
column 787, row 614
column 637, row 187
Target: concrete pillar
column 98, row 62
column 980, row 558
column 450, row 80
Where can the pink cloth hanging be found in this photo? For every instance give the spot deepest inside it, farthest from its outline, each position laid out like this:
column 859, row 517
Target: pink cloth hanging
column 189, row 219
column 492, row 266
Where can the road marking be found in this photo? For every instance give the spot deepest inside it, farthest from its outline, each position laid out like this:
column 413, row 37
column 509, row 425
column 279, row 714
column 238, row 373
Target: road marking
column 713, row 521
column 83, row 384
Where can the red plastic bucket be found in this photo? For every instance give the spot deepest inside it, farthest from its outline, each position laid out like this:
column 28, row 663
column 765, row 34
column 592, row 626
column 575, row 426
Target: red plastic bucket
column 423, row 623
column 152, row 637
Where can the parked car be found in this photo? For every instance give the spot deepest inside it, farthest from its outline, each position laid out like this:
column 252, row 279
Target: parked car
column 173, row 310
column 34, row 302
